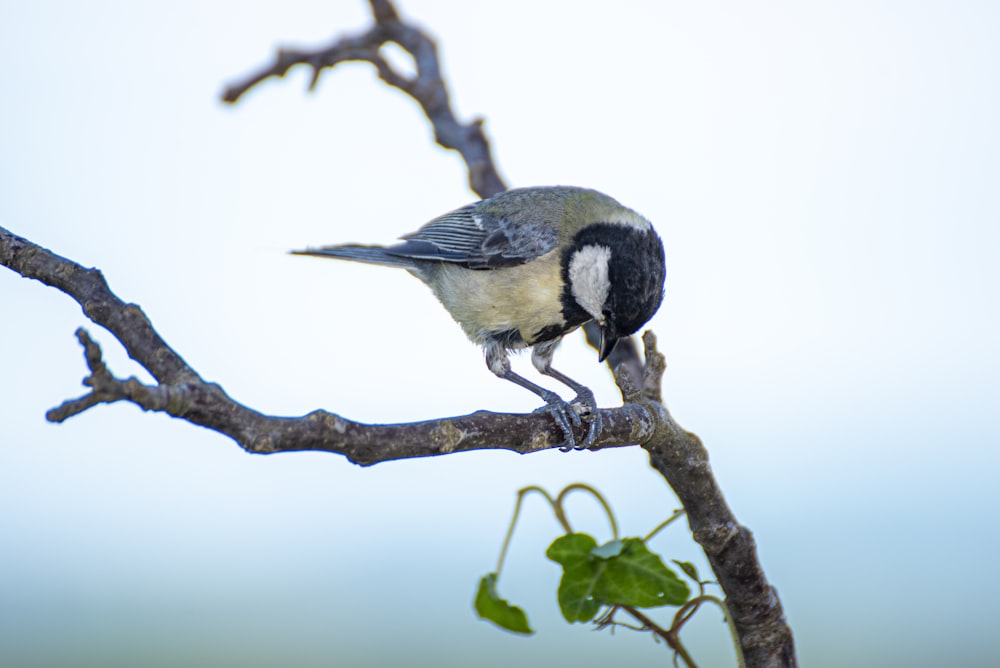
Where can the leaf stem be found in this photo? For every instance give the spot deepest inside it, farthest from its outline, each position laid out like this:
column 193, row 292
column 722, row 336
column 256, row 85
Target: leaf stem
column 670, row 636
column 558, row 510
column 561, row 514
column 687, row 610
column 521, row 493
column 663, row 525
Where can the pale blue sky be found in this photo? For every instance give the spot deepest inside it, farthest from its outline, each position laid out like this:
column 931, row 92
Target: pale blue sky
column 824, row 176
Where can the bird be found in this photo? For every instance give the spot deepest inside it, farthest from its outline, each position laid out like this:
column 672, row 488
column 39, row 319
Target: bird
column 523, row 268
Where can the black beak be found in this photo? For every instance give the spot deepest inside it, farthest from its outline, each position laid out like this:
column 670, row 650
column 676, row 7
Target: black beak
column 608, row 343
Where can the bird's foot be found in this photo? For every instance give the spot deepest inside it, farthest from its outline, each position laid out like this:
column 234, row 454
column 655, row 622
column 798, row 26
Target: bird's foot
column 585, row 404
column 567, row 417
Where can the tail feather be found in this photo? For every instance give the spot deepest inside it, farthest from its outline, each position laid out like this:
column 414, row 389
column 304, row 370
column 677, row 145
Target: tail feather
column 366, row 254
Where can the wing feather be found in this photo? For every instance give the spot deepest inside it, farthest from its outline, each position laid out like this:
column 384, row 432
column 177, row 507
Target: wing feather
column 478, row 240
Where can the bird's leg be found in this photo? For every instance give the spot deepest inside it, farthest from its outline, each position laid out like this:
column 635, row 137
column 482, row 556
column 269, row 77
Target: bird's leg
column 541, row 357
column 562, row 412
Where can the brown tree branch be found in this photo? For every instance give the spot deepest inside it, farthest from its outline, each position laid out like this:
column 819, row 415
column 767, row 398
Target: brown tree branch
column 680, row 457
column 427, row 88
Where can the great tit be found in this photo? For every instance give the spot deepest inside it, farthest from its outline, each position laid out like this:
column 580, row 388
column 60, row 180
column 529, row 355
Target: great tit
column 523, row 268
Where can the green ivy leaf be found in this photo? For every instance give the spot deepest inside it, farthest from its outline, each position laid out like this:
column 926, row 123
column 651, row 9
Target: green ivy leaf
column 625, row 573
column 571, row 548
column 580, row 572
column 688, row 568
column 490, row 606
column 638, row 577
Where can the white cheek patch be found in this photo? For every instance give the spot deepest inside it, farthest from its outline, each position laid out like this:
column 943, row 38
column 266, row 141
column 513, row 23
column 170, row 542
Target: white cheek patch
column 588, row 278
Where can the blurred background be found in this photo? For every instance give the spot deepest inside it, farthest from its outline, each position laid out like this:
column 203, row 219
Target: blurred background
column 824, row 176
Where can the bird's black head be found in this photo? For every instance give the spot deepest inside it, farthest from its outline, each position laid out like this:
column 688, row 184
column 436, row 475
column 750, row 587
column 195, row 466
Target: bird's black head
column 613, row 273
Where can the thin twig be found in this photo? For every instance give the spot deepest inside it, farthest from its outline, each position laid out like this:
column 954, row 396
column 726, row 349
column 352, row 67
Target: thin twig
column 427, row 87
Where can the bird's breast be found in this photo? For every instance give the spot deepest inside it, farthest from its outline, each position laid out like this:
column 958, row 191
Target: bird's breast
column 493, row 304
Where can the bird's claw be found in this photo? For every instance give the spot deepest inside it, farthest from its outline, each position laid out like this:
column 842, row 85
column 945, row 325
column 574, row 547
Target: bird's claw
column 567, row 417
column 585, row 401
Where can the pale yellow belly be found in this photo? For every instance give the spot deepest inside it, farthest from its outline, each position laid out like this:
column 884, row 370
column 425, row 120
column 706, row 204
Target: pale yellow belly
column 524, row 298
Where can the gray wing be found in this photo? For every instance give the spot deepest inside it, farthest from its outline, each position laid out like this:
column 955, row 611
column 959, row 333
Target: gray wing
column 478, row 240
